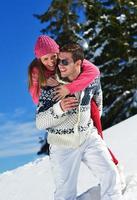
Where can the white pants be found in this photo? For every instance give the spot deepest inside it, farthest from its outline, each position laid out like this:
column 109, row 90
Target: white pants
column 93, row 152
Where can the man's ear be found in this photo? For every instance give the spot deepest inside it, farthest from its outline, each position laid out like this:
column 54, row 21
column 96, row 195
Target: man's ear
column 78, row 62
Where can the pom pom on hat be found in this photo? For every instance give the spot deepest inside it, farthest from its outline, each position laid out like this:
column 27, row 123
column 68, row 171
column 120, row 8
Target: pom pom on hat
column 45, row 45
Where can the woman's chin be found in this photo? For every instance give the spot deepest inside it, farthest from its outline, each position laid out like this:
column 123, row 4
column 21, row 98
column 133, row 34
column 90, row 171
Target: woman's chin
column 51, row 69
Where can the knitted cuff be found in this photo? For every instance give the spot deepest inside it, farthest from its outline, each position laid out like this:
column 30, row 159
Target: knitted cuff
column 57, row 109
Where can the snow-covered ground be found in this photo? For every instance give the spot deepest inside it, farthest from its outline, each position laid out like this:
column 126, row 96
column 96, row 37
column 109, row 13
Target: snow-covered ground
column 34, row 180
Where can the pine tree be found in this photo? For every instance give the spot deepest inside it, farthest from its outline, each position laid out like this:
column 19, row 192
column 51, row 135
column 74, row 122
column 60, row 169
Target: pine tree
column 111, row 31
column 62, row 18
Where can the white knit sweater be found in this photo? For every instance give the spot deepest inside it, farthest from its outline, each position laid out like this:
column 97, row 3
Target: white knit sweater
column 71, row 128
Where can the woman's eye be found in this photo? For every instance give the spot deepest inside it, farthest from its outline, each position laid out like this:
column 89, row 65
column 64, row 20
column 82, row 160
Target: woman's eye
column 55, row 56
column 45, row 59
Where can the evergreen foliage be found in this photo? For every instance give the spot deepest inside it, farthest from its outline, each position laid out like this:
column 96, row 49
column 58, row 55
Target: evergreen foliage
column 62, row 18
column 113, row 48
column 110, row 29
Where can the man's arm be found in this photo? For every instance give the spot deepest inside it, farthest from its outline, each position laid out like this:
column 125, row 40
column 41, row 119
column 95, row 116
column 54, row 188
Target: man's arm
column 51, row 117
column 56, row 114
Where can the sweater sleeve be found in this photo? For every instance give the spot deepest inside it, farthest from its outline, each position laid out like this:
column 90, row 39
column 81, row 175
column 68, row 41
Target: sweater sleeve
column 49, row 112
column 51, row 117
column 88, row 75
column 98, row 97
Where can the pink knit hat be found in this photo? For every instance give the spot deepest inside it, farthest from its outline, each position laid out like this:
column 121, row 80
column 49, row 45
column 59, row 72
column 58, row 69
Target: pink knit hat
column 45, row 45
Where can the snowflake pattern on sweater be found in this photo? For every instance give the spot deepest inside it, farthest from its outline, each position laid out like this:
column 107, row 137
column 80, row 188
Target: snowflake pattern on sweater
column 69, row 128
column 46, row 98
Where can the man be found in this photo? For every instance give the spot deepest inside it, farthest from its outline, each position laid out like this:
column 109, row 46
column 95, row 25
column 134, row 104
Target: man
column 72, row 135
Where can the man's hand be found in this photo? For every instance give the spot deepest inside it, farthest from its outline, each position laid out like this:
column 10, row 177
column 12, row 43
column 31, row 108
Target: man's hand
column 68, row 103
column 60, row 92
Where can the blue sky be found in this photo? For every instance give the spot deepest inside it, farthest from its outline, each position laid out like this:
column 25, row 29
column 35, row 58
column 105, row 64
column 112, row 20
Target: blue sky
column 19, row 31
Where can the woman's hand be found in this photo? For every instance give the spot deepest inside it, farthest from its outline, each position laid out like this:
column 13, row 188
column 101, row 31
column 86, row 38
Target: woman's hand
column 51, row 82
column 68, row 103
column 60, row 92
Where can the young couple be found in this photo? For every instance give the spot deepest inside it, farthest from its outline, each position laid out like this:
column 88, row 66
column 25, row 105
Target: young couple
column 65, row 112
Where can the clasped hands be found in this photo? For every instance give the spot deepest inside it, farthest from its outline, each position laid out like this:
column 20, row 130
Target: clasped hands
column 61, row 91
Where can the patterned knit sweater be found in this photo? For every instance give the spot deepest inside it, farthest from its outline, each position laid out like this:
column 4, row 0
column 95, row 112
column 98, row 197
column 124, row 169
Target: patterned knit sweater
column 71, row 128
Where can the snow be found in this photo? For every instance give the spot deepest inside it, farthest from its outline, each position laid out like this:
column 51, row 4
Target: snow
column 104, row 17
column 122, row 139
column 88, row 31
column 134, row 25
column 34, row 180
column 107, row 109
column 131, row 3
column 135, row 45
column 135, row 99
column 84, row 44
column 100, row 49
column 121, row 18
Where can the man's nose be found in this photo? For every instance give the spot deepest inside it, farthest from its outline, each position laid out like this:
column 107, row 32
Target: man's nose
column 60, row 66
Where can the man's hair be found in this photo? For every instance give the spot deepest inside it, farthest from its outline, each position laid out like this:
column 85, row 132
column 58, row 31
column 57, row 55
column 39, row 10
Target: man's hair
column 75, row 49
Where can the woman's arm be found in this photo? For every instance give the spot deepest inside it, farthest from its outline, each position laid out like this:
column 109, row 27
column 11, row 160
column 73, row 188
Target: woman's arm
column 34, row 88
column 34, row 92
column 88, row 75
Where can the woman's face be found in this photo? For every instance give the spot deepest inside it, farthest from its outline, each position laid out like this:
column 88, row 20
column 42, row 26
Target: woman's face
column 49, row 61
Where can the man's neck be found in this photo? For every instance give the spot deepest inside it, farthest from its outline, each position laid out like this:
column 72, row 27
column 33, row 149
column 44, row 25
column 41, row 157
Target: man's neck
column 74, row 75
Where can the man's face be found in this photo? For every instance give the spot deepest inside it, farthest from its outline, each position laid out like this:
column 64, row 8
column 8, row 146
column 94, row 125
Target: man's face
column 66, row 65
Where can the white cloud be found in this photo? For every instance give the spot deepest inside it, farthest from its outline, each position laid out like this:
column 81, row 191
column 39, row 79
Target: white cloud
column 17, row 136
column 19, row 112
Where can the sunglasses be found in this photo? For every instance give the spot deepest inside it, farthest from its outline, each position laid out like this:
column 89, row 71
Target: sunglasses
column 63, row 62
